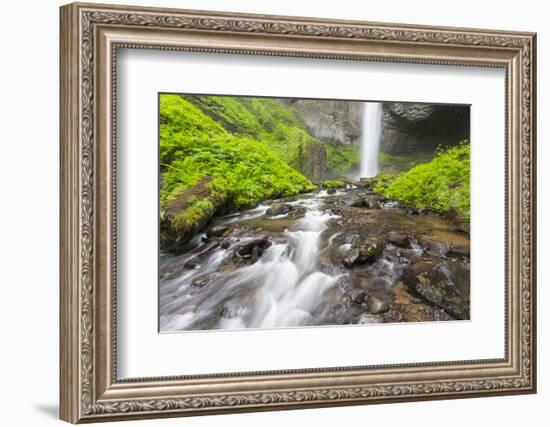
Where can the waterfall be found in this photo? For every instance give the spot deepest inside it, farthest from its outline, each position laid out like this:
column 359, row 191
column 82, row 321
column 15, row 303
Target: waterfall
column 372, row 120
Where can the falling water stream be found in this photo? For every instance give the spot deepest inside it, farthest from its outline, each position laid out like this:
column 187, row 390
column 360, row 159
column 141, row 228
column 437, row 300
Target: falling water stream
column 370, row 141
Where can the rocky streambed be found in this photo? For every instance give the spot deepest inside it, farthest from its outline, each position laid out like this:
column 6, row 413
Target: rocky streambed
column 332, row 257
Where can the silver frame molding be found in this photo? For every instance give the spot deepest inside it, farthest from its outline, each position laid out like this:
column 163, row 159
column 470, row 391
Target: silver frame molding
column 90, row 37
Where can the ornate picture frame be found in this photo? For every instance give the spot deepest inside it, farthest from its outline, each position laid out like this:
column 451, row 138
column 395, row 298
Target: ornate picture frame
column 90, row 37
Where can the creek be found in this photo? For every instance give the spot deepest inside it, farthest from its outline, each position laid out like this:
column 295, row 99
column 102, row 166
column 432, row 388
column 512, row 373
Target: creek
column 344, row 257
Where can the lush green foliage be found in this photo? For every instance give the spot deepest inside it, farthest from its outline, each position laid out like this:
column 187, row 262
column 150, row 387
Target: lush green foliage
column 194, row 145
column 278, row 127
column 265, row 120
column 194, row 213
column 442, row 184
column 342, row 158
column 404, row 162
column 333, row 183
column 381, row 181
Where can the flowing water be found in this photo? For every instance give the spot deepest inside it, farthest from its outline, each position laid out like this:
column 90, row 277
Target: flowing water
column 283, row 288
column 370, row 140
column 298, row 278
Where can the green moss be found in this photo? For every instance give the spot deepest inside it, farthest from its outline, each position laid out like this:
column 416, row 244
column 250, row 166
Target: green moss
column 182, row 120
column 342, row 158
column 265, row 120
column 185, row 220
column 277, row 126
column 229, row 112
column 442, row 184
column 381, row 181
column 194, row 145
column 333, row 183
column 402, row 162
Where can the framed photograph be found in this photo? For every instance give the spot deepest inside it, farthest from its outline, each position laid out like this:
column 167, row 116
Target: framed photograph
column 266, row 212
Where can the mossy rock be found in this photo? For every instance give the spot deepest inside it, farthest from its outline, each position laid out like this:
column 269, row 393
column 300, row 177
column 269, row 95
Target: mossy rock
column 333, row 183
column 366, row 252
column 443, row 284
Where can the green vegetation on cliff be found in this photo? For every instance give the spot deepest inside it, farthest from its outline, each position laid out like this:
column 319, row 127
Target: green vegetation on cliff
column 206, row 168
column 277, row 127
column 442, row 184
column 194, row 145
column 342, row 158
column 402, row 162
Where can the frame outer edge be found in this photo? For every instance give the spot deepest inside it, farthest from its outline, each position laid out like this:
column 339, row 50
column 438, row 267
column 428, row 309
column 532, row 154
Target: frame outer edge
column 77, row 225
column 533, row 210
column 69, row 355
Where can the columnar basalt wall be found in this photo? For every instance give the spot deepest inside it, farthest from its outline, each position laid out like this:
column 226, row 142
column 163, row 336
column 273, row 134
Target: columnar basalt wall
column 412, row 128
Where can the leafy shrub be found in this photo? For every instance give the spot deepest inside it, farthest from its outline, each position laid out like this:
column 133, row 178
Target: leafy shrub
column 194, row 145
column 275, row 125
column 442, row 184
column 381, row 181
column 402, row 162
column 342, row 158
column 333, row 183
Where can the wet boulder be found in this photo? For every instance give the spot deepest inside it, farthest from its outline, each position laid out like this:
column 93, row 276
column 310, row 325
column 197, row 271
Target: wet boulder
column 328, row 266
column 350, row 238
column 278, row 209
column 227, row 242
column 202, row 281
column 297, row 212
column 367, row 319
column 364, row 253
column 191, row 265
column 345, row 283
column 367, row 183
column 360, row 298
column 444, row 284
column 372, row 201
column 411, row 210
column 433, row 247
column 358, row 202
column 175, row 233
column 252, row 249
column 399, row 240
column 351, row 258
column 376, row 305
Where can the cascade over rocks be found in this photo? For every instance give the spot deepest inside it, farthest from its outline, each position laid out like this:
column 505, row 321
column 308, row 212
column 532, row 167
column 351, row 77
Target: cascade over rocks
column 278, row 209
column 316, row 259
column 253, row 249
column 269, row 218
